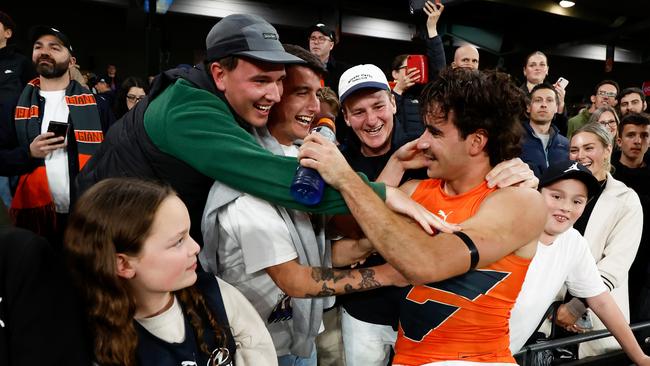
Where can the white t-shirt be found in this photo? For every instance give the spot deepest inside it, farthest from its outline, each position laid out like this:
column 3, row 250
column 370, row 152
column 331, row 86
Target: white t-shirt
column 254, row 344
column 253, row 237
column 56, row 163
column 567, row 261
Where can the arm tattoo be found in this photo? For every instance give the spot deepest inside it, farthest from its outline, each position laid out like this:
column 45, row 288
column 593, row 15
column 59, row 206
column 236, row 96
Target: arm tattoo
column 324, row 292
column 326, row 274
column 368, row 280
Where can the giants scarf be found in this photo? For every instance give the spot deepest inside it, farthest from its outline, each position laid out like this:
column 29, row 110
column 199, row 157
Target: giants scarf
column 32, row 206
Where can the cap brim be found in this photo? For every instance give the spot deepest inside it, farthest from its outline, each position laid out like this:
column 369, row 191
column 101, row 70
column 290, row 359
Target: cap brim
column 38, row 31
column 589, row 180
column 364, row 85
column 276, row 57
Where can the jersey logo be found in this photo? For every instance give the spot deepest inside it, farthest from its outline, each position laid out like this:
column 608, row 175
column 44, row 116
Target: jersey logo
column 420, row 314
column 444, row 216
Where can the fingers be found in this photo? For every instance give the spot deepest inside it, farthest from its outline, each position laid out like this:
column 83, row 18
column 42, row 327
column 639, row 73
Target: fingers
column 431, row 8
column 510, row 173
column 45, row 143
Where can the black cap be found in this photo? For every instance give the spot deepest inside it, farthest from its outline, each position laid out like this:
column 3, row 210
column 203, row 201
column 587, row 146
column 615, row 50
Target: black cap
column 103, row 79
column 249, row 36
column 325, row 30
column 569, row 169
column 41, row 30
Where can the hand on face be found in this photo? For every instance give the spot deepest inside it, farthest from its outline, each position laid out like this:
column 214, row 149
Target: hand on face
column 410, row 157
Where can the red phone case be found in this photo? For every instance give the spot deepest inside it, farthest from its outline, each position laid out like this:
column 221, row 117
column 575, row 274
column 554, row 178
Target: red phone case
column 419, row 62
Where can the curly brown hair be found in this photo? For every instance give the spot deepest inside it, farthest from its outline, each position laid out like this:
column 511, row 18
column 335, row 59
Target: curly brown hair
column 481, row 100
column 116, row 216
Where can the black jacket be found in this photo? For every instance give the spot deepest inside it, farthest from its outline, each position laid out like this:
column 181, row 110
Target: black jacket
column 127, row 151
column 41, row 314
column 408, row 106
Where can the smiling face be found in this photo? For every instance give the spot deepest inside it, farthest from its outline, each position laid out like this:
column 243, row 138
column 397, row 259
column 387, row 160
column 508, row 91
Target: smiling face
column 167, row 261
column 50, row 57
column 588, row 150
column 536, row 69
column 369, row 112
column 565, row 200
column 291, row 118
column 251, row 88
column 442, row 145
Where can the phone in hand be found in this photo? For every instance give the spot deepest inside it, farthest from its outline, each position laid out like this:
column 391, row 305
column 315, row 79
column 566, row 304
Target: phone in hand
column 562, row 82
column 60, row 129
column 419, row 62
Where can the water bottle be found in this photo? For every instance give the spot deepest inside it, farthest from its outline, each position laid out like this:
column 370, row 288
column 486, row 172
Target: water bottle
column 308, row 186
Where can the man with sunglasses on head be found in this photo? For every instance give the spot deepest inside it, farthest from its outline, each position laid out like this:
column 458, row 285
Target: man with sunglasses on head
column 604, row 94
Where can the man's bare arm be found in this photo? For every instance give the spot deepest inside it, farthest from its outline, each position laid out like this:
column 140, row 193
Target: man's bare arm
column 348, row 251
column 301, row 281
column 501, row 226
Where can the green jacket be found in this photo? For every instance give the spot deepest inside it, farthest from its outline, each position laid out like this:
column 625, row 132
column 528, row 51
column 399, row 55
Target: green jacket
column 198, row 128
column 577, row 121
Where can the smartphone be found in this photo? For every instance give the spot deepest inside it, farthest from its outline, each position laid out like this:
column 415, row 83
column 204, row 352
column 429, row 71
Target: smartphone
column 60, row 129
column 562, row 82
column 419, row 62
column 416, row 5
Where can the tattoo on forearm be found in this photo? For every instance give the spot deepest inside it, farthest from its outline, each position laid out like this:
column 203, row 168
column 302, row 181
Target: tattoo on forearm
column 348, row 288
column 368, row 280
column 319, row 274
column 324, row 292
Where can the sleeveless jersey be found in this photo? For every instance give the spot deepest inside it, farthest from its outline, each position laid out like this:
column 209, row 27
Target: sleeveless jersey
column 464, row 318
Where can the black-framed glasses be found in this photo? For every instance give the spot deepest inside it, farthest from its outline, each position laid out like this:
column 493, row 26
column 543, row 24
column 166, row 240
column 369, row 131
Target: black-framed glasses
column 134, row 98
column 604, row 93
column 608, row 123
column 319, row 39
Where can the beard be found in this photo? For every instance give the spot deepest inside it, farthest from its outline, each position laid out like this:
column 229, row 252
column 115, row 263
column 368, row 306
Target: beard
column 51, row 70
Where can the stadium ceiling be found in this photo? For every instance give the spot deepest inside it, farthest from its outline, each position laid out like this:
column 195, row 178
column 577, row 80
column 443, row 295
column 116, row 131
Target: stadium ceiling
column 500, row 27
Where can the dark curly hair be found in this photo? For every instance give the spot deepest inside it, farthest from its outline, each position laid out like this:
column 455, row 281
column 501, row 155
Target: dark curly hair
column 481, row 100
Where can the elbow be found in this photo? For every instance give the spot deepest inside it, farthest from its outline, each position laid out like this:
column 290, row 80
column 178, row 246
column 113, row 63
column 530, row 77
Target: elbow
column 289, row 288
column 421, row 276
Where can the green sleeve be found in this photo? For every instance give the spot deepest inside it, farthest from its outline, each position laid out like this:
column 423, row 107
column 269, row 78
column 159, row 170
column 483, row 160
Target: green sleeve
column 196, row 127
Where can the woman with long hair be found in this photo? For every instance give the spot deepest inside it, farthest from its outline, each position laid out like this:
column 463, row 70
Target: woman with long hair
column 133, row 260
column 612, row 223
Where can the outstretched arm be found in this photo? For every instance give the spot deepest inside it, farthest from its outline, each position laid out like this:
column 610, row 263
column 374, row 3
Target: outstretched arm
column 501, row 226
column 607, row 310
column 297, row 280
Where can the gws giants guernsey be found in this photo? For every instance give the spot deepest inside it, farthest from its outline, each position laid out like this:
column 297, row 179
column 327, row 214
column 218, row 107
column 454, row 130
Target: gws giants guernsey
column 464, row 318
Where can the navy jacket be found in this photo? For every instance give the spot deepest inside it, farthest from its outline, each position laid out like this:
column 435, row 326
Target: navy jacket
column 533, row 154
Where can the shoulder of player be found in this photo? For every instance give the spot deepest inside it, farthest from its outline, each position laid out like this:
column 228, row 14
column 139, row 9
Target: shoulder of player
column 410, row 186
column 524, row 206
column 515, row 199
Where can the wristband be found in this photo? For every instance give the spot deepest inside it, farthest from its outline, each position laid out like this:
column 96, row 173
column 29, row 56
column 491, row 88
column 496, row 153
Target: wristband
column 473, row 251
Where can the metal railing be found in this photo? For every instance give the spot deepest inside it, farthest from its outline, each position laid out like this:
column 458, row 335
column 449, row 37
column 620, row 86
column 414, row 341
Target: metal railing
column 527, row 352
